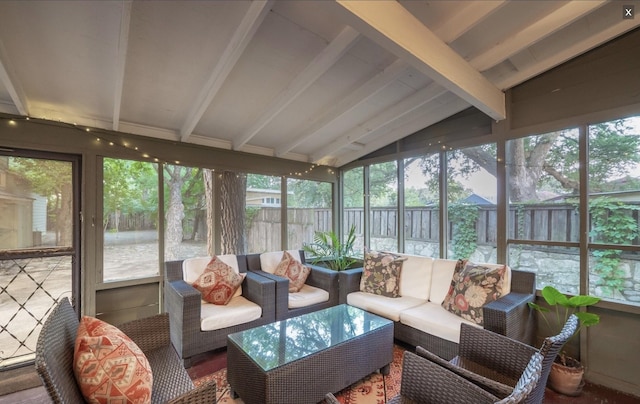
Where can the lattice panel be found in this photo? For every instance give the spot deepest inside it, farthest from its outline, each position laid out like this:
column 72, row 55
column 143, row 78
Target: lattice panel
column 29, row 289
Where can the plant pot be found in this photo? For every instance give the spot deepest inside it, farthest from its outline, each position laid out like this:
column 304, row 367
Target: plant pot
column 567, row 379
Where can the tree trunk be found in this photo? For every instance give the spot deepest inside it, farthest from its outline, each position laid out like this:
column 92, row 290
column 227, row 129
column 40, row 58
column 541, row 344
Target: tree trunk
column 65, row 221
column 175, row 211
column 522, row 177
column 232, row 205
column 207, row 175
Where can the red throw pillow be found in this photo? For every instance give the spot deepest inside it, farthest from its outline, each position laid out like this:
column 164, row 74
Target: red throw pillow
column 218, row 282
column 292, row 269
column 109, row 367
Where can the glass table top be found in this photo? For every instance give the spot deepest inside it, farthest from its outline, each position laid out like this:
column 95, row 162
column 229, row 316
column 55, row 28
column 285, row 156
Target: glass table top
column 285, row 341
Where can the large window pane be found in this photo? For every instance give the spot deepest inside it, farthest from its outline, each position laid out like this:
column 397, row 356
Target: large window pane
column 614, row 201
column 422, row 206
column 353, row 201
column 308, row 210
column 185, row 213
column 130, row 219
column 383, row 196
column 263, row 217
column 36, row 224
column 471, row 199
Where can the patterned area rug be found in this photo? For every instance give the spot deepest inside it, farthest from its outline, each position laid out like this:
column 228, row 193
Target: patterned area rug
column 373, row 389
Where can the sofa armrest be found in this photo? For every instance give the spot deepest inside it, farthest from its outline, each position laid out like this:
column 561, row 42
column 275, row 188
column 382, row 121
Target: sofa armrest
column 349, row 282
column 183, row 304
column 323, row 278
column 261, row 291
column 148, row 333
column 173, row 270
column 523, row 282
column 511, row 316
column 281, row 300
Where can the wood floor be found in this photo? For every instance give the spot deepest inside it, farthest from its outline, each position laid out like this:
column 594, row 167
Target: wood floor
column 208, row 363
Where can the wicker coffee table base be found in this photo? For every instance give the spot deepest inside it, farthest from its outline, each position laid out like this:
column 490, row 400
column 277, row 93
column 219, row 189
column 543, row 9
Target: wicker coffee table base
column 307, row 380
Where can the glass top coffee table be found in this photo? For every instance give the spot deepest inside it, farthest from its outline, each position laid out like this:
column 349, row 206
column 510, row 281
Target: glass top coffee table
column 300, row 359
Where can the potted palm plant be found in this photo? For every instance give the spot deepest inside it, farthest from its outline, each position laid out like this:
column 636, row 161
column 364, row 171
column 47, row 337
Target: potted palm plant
column 567, row 373
column 329, row 251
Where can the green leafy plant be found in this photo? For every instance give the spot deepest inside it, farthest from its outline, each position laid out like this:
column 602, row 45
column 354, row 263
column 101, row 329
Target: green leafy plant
column 465, row 239
column 564, row 307
column 329, row 250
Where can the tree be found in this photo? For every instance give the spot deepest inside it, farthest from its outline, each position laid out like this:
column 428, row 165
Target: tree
column 174, row 178
column 550, row 161
column 232, row 197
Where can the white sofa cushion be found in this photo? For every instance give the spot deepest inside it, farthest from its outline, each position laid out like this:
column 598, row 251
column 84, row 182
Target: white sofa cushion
column 307, row 296
column 192, row 268
column 432, row 319
column 239, row 310
column 415, row 277
column 269, row 261
column 441, row 275
column 388, row 307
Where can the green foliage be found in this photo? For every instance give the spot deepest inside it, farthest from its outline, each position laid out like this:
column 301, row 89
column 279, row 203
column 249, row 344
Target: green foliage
column 565, row 307
column 611, row 223
column 329, row 250
column 464, row 217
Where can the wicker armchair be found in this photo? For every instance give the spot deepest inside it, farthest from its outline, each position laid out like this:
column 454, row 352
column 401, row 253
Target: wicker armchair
column 184, row 303
column 426, row 382
column 495, row 362
column 319, row 277
column 54, row 359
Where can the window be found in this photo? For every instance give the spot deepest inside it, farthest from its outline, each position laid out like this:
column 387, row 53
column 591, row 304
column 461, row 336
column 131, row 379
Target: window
column 353, row 202
column 130, row 220
column 309, row 210
column 185, row 212
column 263, row 227
column 383, row 197
column 471, row 203
column 614, row 202
column 422, row 206
column 38, row 236
column 543, row 190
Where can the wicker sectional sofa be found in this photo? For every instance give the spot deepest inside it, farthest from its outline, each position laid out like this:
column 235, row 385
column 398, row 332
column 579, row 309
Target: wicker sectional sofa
column 420, row 320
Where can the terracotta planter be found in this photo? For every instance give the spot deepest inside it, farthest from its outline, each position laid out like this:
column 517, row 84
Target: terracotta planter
column 567, row 380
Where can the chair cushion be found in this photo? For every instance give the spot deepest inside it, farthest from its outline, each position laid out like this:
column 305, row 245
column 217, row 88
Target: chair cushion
column 473, row 286
column 307, row 296
column 388, row 307
column 269, row 261
column 432, row 319
column 218, row 282
column 415, row 279
column 295, row 271
column 381, row 273
column 192, row 268
column 109, row 366
column 239, row 310
column 441, row 274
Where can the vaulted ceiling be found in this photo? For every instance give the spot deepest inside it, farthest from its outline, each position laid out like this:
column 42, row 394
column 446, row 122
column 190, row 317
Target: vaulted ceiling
column 317, row 81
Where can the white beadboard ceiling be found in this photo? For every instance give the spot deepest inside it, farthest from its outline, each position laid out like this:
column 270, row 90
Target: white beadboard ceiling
column 317, row 81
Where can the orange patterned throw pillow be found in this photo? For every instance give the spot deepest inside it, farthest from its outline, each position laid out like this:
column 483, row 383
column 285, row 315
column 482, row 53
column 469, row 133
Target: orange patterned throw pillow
column 218, row 282
column 294, row 270
column 109, row 367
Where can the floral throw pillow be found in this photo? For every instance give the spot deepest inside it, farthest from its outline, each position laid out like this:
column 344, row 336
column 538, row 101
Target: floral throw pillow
column 109, row 367
column 218, row 282
column 381, row 274
column 294, row 270
column 473, row 286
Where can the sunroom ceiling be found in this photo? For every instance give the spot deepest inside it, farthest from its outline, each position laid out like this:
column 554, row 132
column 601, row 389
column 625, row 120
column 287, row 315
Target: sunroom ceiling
column 317, row 81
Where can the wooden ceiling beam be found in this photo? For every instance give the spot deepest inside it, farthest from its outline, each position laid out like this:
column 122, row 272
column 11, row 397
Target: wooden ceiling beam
column 395, row 29
column 318, row 66
column 243, row 34
column 121, row 62
column 367, row 90
column 473, row 13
